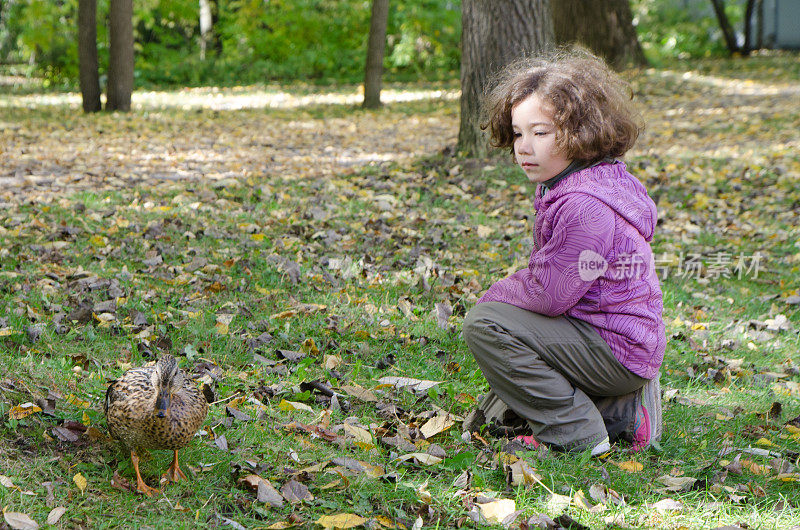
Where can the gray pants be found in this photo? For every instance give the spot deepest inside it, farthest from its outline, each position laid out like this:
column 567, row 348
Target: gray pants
column 556, row 373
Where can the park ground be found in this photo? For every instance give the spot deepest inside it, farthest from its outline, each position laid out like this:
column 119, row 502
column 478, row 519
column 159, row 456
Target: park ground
column 312, row 262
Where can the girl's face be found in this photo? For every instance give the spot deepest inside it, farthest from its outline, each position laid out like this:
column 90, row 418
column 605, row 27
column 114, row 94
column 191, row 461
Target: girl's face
column 535, row 140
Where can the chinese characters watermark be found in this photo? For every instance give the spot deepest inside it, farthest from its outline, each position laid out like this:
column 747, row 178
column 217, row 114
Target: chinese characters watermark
column 592, row 265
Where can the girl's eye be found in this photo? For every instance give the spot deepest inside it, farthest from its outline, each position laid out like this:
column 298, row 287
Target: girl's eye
column 540, row 133
column 517, row 135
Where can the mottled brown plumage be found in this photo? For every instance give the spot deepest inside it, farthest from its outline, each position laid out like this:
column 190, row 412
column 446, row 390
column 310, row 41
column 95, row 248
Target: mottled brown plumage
column 154, row 407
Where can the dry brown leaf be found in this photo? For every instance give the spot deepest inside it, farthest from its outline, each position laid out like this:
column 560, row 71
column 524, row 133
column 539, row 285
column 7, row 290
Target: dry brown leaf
column 295, row 492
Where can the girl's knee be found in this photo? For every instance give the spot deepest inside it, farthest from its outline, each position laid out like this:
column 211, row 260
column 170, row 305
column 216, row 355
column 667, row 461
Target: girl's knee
column 478, row 320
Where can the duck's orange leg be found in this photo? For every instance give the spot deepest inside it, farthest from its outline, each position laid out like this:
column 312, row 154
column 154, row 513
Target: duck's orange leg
column 141, row 487
column 173, row 473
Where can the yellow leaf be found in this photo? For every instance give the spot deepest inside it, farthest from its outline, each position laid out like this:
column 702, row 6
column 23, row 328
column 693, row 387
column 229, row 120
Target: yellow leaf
column 631, row 466
column 280, row 525
column 23, row 411
column 98, row 241
column 5, row 332
column 310, row 347
column 80, row 481
column 439, row 423
column 77, row 401
column 765, row 442
column 494, row 512
column 257, row 237
column 85, row 419
column 289, row 406
column 341, row 520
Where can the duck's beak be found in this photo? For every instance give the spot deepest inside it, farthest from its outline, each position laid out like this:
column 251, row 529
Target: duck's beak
column 162, row 403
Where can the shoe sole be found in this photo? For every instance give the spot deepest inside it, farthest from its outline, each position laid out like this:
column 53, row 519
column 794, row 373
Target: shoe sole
column 651, row 400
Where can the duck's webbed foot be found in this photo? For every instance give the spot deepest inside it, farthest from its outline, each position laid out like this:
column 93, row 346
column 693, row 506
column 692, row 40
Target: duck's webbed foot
column 141, row 487
column 173, row 473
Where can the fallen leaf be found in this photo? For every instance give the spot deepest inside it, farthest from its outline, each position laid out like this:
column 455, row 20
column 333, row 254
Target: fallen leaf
column 360, row 393
column 221, row 442
column 443, row 312
column 631, row 466
column 520, row 473
column 418, row 386
column 56, row 514
column 558, row 503
column 676, row 483
column 667, row 505
column 289, row 406
column 223, row 322
column 496, row 511
column 440, row 422
column 266, row 493
column 357, row 433
column 80, row 481
column 20, row 521
column 295, row 492
column 23, row 411
column 332, row 362
column 341, row 520
column 420, row 458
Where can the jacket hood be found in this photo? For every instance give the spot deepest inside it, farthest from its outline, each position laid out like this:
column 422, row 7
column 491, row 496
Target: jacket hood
column 613, row 185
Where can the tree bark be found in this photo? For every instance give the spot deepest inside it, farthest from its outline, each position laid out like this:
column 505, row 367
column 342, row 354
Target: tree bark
column 87, row 55
column 494, row 33
column 725, row 25
column 120, row 55
column 373, row 71
column 206, row 27
column 606, row 28
column 748, row 27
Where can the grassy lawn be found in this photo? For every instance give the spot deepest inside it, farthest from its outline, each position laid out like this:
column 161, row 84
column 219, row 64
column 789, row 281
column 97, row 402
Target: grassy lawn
column 294, row 256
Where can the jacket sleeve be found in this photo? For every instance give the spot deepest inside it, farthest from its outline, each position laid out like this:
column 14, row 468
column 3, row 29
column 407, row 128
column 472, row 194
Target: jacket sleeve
column 566, row 266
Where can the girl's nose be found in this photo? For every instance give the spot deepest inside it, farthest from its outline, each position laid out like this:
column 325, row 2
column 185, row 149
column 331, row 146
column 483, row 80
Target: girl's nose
column 524, row 146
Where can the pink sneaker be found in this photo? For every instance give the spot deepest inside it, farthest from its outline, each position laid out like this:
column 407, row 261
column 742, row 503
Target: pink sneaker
column 641, row 430
column 527, row 441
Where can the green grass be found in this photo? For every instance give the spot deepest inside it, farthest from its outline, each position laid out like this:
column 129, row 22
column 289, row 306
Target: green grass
column 424, row 246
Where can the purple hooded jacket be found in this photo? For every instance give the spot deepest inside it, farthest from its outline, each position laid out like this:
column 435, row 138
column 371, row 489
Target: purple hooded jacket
column 592, row 261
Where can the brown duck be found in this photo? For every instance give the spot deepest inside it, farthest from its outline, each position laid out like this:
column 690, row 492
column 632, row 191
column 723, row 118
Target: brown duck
column 154, row 407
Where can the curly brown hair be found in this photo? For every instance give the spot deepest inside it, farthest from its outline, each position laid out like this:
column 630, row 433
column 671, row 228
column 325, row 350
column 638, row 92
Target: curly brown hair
column 591, row 106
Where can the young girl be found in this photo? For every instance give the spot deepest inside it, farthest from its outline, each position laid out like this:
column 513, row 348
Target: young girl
column 573, row 343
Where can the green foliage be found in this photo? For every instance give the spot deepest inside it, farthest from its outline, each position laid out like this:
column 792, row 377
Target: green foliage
column 253, row 40
column 680, row 29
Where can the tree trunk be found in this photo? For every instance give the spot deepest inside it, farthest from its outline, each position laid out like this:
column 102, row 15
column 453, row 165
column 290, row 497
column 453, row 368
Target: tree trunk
column 759, row 24
column 725, row 25
column 606, row 28
column 373, row 72
column 87, row 55
column 748, row 27
column 206, row 27
column 494, row 33
column 120, row 55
